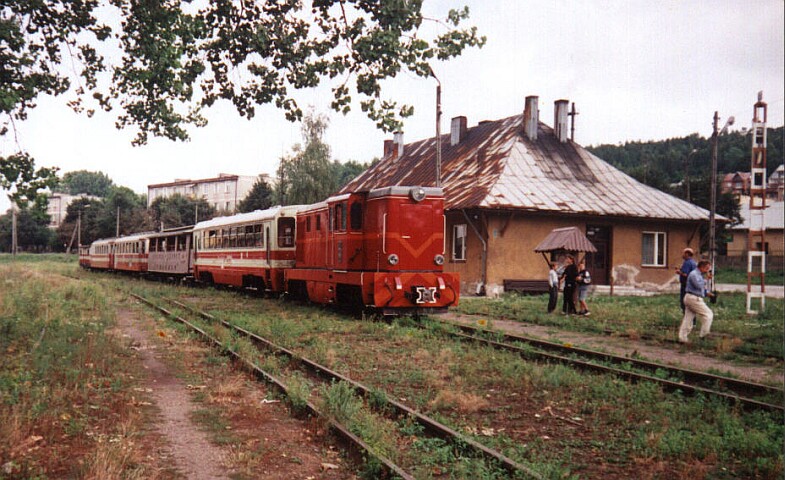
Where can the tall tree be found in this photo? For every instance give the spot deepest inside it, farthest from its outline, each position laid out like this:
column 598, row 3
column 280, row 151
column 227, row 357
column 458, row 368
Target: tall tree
column 88, row 210
column 179, row 211
column 132, row 214
column 81, row 181
column 306, row 176
column 259, row 198
column 177, row 59
column 33, row 233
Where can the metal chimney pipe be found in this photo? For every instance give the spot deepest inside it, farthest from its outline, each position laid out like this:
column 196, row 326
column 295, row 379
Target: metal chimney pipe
column 531, row 117
column 560, row 117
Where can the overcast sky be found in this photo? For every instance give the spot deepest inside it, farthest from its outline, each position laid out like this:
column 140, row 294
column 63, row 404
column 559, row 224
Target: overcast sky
column 636, row 70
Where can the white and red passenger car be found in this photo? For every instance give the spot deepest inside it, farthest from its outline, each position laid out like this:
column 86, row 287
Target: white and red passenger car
column 130, row 253
column 246, row 250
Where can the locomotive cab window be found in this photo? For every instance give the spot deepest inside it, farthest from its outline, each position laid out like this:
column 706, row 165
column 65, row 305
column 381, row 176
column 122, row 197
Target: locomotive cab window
column 339, row 217
column 356, row 216
column 286, row 232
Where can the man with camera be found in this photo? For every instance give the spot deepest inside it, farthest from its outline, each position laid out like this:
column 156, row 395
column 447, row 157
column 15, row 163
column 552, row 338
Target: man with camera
column 694, row 306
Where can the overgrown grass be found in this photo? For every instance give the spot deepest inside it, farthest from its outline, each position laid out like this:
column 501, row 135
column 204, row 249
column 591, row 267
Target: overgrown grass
column 550, row 417
column 775, row 274
column 758, row 337
column 64, row 381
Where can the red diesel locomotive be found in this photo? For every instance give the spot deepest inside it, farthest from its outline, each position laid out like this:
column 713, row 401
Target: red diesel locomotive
column 383, row 249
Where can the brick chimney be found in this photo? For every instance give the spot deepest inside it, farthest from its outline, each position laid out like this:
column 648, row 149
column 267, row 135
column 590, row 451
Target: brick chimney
column 457, row 130
column 531, row 117
column 560, row 116
column 389, row 148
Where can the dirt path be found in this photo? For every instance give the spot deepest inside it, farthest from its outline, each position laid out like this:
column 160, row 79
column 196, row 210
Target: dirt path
column 675, row 355
column 191, row 452
column 261, row 440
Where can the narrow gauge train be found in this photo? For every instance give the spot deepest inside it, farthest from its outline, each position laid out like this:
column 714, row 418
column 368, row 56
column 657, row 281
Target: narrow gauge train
column 380, row 249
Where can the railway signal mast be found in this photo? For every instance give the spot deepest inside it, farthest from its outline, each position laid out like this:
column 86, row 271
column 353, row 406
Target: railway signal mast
column 756, row 238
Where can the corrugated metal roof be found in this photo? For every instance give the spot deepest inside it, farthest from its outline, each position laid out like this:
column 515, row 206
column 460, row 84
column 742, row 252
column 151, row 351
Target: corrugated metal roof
column 566, row 238
column 497, row 167
column 773, row 216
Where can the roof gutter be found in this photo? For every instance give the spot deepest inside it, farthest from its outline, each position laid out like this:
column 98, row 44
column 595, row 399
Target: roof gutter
column 484, row 256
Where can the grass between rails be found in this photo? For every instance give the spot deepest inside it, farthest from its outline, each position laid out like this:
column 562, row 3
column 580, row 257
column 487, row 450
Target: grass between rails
column 399, row 440
column 67, row 395
column 558, row 421
column 755, row 338
column 550, row 417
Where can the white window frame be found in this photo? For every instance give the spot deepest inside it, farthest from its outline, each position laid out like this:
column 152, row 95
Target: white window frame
column 459, row 232
column 660, row 242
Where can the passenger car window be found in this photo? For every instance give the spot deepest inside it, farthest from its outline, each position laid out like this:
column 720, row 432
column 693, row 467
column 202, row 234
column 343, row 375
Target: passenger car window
column 285, row 232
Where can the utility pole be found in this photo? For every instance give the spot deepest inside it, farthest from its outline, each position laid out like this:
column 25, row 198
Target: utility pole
column 79, row 230
column 13, row 229
column 713, row 193
column 117, row 228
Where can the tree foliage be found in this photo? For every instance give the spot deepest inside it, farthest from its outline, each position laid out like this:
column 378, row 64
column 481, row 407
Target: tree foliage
column 259, row 198
column 305, row 176
column 23, row 181
column 33, row 233
column 663, row 162
column 669, row 164
column 81, row 181
column 179, row 211
column 179, row 58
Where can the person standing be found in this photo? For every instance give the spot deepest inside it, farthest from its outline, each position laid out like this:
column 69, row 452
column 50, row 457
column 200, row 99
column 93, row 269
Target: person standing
column 553, row 287
column 570, row 276
column 694, row 306
column 583, row 280
column 687, row 266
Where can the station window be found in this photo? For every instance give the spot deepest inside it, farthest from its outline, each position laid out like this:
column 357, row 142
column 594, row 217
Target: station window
column 653, row 249
column 459, row 242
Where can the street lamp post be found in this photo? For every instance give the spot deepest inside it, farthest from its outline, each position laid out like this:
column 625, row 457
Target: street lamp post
column 438, row 129
column 687, row 173
column 713, row 193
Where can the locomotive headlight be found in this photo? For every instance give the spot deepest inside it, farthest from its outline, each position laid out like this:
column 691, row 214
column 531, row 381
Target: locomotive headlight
column 392, row 259
column 417, row 194
column 438, row 259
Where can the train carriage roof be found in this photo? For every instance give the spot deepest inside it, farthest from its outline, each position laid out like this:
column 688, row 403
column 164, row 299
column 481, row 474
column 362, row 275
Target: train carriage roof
column 135, row 237
column 250, row 217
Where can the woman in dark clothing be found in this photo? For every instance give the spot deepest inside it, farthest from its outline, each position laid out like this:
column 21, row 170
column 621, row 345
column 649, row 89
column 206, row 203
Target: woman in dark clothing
column 570, row 276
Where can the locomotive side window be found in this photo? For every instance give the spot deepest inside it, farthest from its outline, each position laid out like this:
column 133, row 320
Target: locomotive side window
column 318, row 221
column 356, row 216
column 286, row 232
column 308, row 224
column 339, row 217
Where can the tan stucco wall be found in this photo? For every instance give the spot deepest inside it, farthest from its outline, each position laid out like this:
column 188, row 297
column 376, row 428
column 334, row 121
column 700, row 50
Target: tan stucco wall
column 738, row 246
column 511, row 254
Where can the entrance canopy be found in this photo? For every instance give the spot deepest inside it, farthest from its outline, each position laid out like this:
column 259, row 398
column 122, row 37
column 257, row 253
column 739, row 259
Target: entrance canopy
column 566, row 239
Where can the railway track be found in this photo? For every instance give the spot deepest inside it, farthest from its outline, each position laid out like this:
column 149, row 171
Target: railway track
column 393, row 408
column 670, row 378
